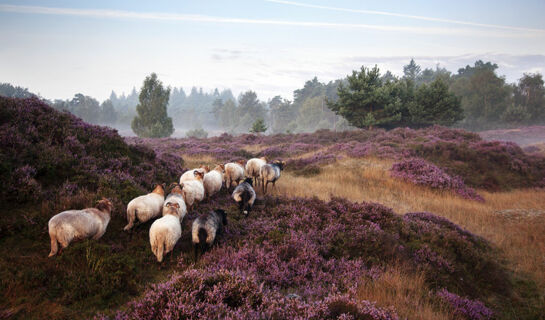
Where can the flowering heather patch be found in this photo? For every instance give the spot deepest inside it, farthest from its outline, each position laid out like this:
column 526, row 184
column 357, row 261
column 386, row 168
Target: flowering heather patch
column 202, row 294
column 288, row 150
column 421, row 172
column 43, row 149
column 467, row 308
column 313, row 160
column 266, row 265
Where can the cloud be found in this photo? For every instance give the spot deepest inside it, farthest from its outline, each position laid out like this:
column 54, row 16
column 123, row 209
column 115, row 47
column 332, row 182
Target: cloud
column 122, row 14
column 401, row 15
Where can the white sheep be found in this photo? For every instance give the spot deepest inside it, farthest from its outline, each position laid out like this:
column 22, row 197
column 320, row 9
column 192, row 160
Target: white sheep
column 166, row 231
column 234, row 172
column 145, row 207
column 253, row 167
column 79, row 224
column 190, row 175
column 270, row 173
column 213, row 180
column 244, row 195
column 205, row 229
column 176, row 195
column 193, row 190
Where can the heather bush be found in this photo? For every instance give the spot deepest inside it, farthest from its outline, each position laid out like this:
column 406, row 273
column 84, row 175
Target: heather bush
column 43, row 149
column 421, row 172
column 273, row 258
column 464, row 307
column 226, row 294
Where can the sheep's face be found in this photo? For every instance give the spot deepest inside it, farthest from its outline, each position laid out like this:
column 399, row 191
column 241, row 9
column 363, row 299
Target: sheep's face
column 241, row 162
column 220, row 168
column 205, row 168
column 104, row 205
column 264, row 159
column 198, row 175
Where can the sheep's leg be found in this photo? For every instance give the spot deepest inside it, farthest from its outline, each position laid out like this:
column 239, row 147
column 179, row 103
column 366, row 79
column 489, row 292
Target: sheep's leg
column 195, row 252
column 54, row 245
column 131, row 217
column 274, row 186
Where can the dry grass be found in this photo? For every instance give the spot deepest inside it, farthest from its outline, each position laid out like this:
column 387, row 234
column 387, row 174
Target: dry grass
column 407, row 293
column 514, row 221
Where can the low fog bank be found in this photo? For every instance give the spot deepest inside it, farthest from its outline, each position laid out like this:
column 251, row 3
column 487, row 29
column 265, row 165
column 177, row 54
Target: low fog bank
column 523, row 136
column 179, row 132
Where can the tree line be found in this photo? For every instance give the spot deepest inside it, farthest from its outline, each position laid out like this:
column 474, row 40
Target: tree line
column 475, row 98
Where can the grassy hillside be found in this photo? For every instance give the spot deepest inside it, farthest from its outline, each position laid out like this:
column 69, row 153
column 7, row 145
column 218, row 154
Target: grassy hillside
column 324, row 244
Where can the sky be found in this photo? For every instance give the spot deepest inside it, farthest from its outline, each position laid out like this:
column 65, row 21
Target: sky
column 59, row 48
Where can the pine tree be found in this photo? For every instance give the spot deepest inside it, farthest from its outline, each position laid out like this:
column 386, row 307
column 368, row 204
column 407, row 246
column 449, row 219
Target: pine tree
column 152, row 120
column 258, row 126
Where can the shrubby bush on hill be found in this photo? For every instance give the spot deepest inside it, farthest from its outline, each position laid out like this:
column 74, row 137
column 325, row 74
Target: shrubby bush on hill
column 423, row 173
column 44, row 152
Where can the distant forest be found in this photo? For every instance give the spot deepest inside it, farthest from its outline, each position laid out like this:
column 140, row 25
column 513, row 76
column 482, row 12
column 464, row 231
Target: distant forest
column 486, row 99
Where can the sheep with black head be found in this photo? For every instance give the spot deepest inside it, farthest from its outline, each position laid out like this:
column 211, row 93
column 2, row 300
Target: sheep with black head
column 245, row 195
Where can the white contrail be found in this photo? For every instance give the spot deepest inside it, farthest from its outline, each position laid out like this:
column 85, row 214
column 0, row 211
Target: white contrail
column 121, row 14
column 401, row 15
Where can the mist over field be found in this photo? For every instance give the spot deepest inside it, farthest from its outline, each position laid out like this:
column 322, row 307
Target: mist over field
column 272, row 159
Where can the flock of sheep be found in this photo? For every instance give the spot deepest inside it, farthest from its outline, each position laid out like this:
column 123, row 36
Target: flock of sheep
column 195, row 185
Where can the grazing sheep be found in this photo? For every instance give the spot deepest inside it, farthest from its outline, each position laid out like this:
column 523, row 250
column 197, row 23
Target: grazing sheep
column 270, row 173
column 244, row 195
column 205, row 229
column 165, row 231
column 234, row 172
column 79, row 224
column 190, row 175
column 213, row 180
column 145, row 207
column 176, row 195
column 253, row 166
column 193, row 190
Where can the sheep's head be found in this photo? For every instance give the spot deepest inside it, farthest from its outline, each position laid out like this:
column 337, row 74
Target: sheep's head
column 198, row 175
column 264, row 159
column 249, row 180
column 205, row 168
column 104, row 205
column 159, row 188
column 280, row 164
column 241, row 162
column 220, row 167
column 176, row 188
column 222, row 214
column 172, row 208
